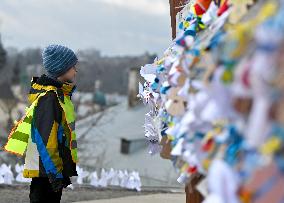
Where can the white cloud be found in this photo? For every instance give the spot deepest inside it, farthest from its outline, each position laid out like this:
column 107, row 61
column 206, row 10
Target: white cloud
column 154, row 7
column 108, row 25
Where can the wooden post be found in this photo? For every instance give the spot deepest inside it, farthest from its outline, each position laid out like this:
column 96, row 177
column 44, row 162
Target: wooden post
column 175, row 6
column 192, row 195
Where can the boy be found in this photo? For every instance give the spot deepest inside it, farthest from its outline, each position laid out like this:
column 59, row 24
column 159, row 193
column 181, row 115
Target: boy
column 47, row 131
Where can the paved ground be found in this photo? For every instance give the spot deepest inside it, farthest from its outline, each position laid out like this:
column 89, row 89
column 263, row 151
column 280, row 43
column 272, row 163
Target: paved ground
column 156, row 198
column 20, row 194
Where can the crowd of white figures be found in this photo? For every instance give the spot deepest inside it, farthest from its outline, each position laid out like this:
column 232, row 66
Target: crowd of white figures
column 119, row 178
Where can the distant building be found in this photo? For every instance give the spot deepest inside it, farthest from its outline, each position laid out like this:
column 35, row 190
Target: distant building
column 134, row 78
column 115, row 139
column 130, row 145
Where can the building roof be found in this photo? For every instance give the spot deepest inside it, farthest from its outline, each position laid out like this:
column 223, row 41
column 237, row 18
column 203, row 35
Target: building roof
column 103, row 143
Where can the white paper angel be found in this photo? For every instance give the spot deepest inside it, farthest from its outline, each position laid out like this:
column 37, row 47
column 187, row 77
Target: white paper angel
column 81, row 175
column 103, row 182
column 7, row 174
column 94, row 180
column 20, row 178
column 124, row 179
column 114, row 178
column 130, row 182
column 137, row 181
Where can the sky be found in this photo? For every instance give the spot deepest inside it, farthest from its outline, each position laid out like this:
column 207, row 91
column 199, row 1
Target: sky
column 115, row 27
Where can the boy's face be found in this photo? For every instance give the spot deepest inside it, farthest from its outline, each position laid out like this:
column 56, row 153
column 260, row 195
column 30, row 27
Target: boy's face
column 69, row 76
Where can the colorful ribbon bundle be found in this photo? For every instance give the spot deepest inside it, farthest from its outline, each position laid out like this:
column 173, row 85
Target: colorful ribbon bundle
column 216, row 100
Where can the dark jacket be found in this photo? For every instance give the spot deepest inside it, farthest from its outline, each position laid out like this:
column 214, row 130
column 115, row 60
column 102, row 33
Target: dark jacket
column 55, row 160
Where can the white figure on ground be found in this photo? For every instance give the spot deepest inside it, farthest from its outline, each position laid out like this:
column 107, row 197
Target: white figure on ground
column 7, row 174
column 81, row 175
column 104, row 179
column 94, row 180
column 115, row 178
column 20, row 178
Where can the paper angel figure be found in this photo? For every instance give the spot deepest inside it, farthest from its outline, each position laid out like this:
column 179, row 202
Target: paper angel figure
column 7, row 174
column 114, row 178
column 137, row 181
column 104, row 179
column 81, row 174
column 94, row 180
column 20, row 178
column 124, row 179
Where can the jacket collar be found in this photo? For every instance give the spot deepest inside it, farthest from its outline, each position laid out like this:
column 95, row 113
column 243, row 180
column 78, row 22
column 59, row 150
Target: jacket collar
column 39, row 83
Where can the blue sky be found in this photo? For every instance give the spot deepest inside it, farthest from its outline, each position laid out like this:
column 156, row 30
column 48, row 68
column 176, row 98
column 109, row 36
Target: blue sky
column 116, row 27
